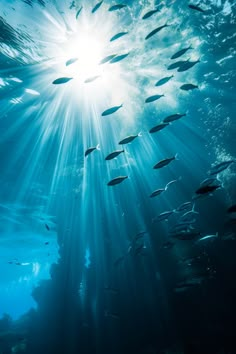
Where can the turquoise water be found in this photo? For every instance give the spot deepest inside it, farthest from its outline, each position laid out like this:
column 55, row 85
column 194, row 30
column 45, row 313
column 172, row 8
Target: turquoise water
column 91, row 267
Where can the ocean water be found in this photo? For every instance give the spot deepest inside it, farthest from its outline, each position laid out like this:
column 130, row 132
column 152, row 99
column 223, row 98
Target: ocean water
column 87, row 265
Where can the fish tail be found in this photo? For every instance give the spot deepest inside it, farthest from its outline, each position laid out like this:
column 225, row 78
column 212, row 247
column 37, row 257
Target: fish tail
column 176, row 156
column 98, row 147
column 140, row 134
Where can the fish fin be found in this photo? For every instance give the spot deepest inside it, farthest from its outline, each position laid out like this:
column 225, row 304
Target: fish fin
column 98, row 147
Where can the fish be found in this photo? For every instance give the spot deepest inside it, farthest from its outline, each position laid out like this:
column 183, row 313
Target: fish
column 118, row 35
column 208, row 237
column 107, row 59
column 114, row 154
column 96, row 7
column 46, row 243
column 188, row 65
column 207, row 189
column 187, row 217
column 117, row 7
column 153, row 98
column 156, row 30
column 158, row 127
column 164, row 162
column 91, row 79
column 177, row 64
column 164, row 80
column 72, row 5
column 118, row 58
column 116, row 180
column 111, row 110
column 188, row 87
column 62, row 80
column 209, row 181
column 129, row 138
column 71, row 61
column 157, row 192
column 173, row 117
column 184, row 206
column 91, row 149
column 47, row 227
column 150, row 13
column 165, row 215
column 186, row 235
column 195, row 7
column 221, row 167
column 181, row 52
column 232, row 209
column 78, row 12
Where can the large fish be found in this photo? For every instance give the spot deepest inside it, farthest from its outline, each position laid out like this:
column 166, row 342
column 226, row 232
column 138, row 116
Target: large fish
column 150, row 13
column 116, row 7
column 62, row 80
column 129, row 138
column 173, row 117
column 118, row 35
column 181, row 52
column 96, row 7
column 164, row 80
column 164, row 162
column 117, row 180
column 153, row 98
column 158, row 127
column 156, row 30
column 207, row 189
column 114, row 154
column 221, row 167
column 118, row 58
column 111, row 110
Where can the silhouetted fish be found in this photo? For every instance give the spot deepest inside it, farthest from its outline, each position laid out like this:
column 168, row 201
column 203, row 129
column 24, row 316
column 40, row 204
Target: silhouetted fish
column 177, row 64
column 71, row 61
column 158, row 127
column 173, row 117
column 117, row 180
column 181, row 52
column 114, row 154
column 164, row 80
column 195, row 7
column 91, row 149
column 47, row 227
column 156, row 30
column 232, row 209
column 153, row 98
column 150, row 13
column 111, row 110
column 78, row 12
column 188, row 87
column 96, row 7
column 221, row 167
column 164, row 162
column 116, row 7
column 118, row 35
column 118, row 58
column 62, row 80
column 188, row 65
column 207, row 189
column 129, row 139
column 107, row 59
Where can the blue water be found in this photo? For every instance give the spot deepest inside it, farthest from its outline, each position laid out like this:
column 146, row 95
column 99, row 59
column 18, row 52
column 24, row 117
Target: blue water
column 87, row 267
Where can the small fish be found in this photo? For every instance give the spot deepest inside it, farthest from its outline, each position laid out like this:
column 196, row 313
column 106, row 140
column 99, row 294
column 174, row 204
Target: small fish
column 118, row 58
column 117, row 7
column 208, row 237
column 72, row 5
column 221, row 167
column 107, row 59
column 173, row 117
column 195, row 7
column 91, row 149
column 232, row 209
column 47, row 227
column 96, row 7
column 177, row 64
column 188, row 65
column 188, row 87
column 118, row 35
column 164, row 162
column 207, row 189
column 150, row 13
column 91, row 79
column 164, row 80
column 46, row 243
column 62, row 80
column 71, row 61
column 78, row 12
column 157, row 192
column 117, row 180
column 153, row 98
column 111, row 110
column 181, row 52
column 183, row 207
column 156, row 30
column 158, row 127
column 165, row 215
column 114, row 154
column 188, row 216
column 129, row 138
